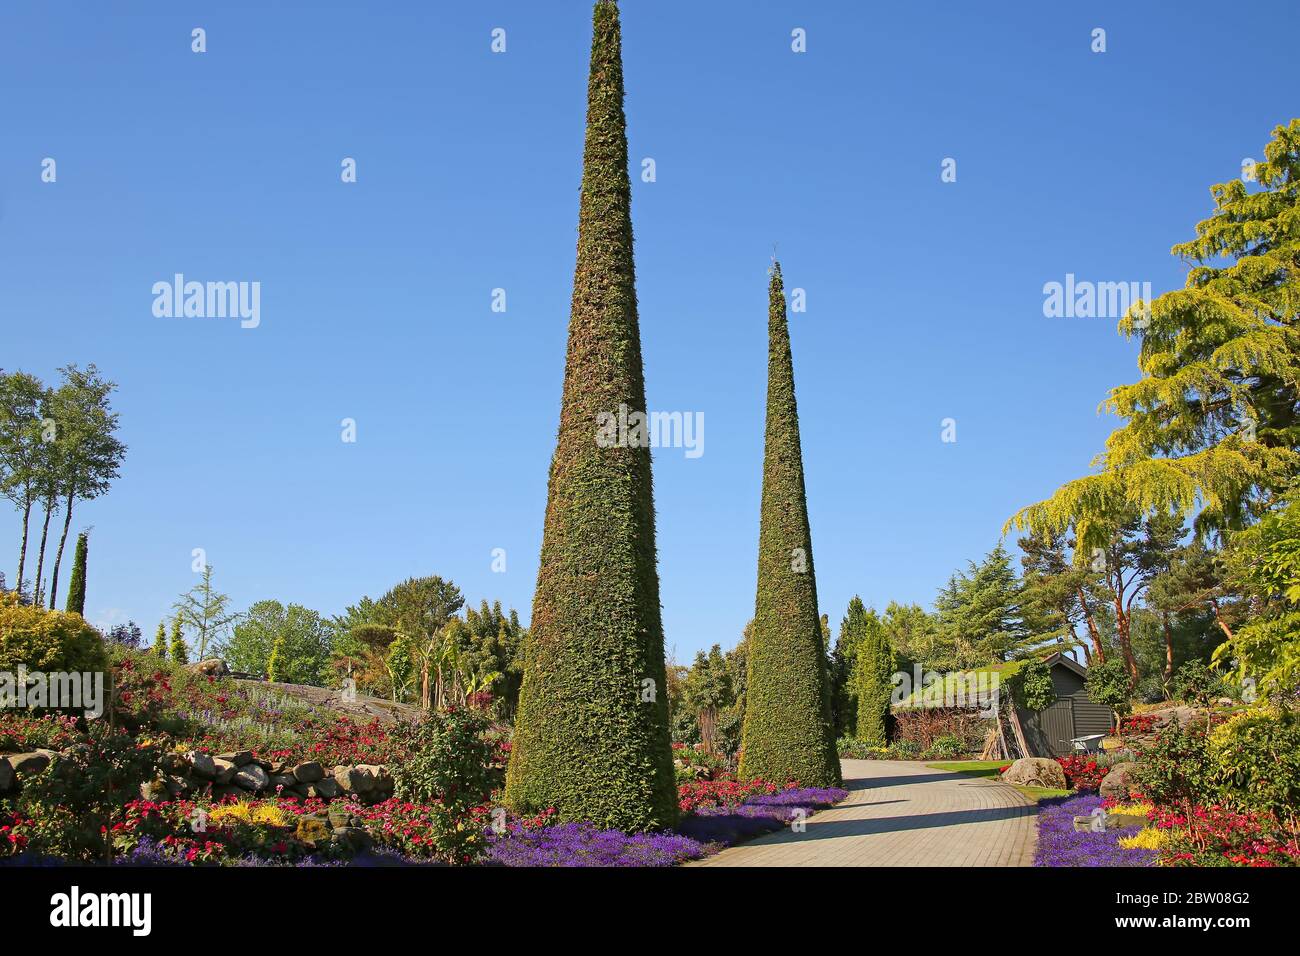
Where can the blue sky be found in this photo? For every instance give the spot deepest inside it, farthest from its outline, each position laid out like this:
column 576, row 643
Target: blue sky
column 924, row 298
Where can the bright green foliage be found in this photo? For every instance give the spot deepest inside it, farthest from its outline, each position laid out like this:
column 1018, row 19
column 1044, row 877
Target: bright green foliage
column 1264, row 562
column 1108, row 683
column 46, row 640
column 1257, row 755
column 874, row 664
column 295, row 639
column 180, row 651
column 1215, row 419
column 787, row 732
column 77, row 585
column 591, row 737
column 160, row 642
column 1032, row 686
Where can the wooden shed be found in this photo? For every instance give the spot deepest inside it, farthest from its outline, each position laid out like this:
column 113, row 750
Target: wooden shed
column 1074, row 714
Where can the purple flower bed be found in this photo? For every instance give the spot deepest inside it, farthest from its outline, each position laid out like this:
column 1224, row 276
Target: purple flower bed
column 582, row 844
column 807, row 797
column 1059, row 844
column 759, row 814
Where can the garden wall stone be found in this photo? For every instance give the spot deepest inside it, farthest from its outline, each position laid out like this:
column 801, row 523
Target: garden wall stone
column 1036, row 772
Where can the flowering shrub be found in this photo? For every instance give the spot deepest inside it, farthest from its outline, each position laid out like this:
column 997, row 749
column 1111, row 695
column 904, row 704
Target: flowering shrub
column 728, row 792
column 1217, row 836
column 1082, row 771
column 696, row 763
column 22, row 731
column 427, row 830
column 446, row 757
column 1148, row 838
column 1136, row 724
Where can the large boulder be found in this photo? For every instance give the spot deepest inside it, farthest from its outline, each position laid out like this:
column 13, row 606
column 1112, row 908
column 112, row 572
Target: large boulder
column 203, row 764
column 252, row 777
column 7, row 776
column 212, row 667
column 238, row 757
column 1118, row 782
column 26, row 764
column 358, row 780
column 308, row 772
column 223, row 770
column 1036, row 772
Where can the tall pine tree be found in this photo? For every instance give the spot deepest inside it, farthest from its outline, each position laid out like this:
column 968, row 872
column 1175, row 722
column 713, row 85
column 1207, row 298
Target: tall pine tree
column 591, row 737
column 787, row 732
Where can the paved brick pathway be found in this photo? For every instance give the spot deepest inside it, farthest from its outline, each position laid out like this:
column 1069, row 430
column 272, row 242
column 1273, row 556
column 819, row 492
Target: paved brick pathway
column 902, row 813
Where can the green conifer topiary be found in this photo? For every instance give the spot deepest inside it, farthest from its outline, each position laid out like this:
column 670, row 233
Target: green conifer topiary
column 160, row 642
column 180, row 652
column 591, row 736
column 77, row 586
column 787, row 733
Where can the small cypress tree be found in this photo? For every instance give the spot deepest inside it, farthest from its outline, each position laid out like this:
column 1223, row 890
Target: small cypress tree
column 160, row 642
column 77, row 586
column 179, row 651
column 787, row 733
column 591, row 735
column 276, row 662
column 872, row 671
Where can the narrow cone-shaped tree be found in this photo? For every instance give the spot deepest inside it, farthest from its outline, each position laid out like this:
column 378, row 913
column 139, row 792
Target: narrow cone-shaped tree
column 77, row 586
column 591, row 735
column 787, row 732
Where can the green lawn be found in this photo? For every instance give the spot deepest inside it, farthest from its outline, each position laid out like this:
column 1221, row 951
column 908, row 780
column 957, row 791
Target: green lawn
column 989, row 770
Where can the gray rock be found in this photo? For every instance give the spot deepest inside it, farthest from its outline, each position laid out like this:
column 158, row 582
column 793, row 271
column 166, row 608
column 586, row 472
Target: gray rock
column 283, row 781
column 239, row 758
column 252, row 777
column 326, row 788
column 25, row 764
column 353, row 838
column 1036, row 772
column 308, row 772
column 228, row 790
column 212, row 667
column 340, row 818
column 225, row 771
column 354, row 780
column 203, row 764
column 1118, row 782
column 7, row 776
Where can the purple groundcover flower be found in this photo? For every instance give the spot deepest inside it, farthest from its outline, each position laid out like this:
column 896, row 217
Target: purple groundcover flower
column 1059, row 844
column 582, row 844
column 807, row 797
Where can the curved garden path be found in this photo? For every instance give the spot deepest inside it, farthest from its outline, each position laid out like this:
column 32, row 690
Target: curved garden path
column 902, row 813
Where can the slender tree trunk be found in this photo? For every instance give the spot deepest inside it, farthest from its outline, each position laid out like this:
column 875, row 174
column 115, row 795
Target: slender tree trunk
column 1169, row 648
column 22, row 548
column 58, row 555
column 38, row 595
column 1122, row 623
column 1092, row 628
column 1214, row 606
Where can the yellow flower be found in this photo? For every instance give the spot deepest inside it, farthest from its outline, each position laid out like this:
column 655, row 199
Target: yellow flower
column 1148, row 838
column 1132, row 809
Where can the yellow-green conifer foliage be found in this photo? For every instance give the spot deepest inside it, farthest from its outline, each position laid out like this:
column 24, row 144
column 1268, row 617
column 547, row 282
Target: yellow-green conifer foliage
column 1215, row 418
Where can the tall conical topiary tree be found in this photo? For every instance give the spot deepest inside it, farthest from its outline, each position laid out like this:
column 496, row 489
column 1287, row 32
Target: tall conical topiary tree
column 787, row 733
column 160, row 642
column 591, row 736
column 77, row 586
